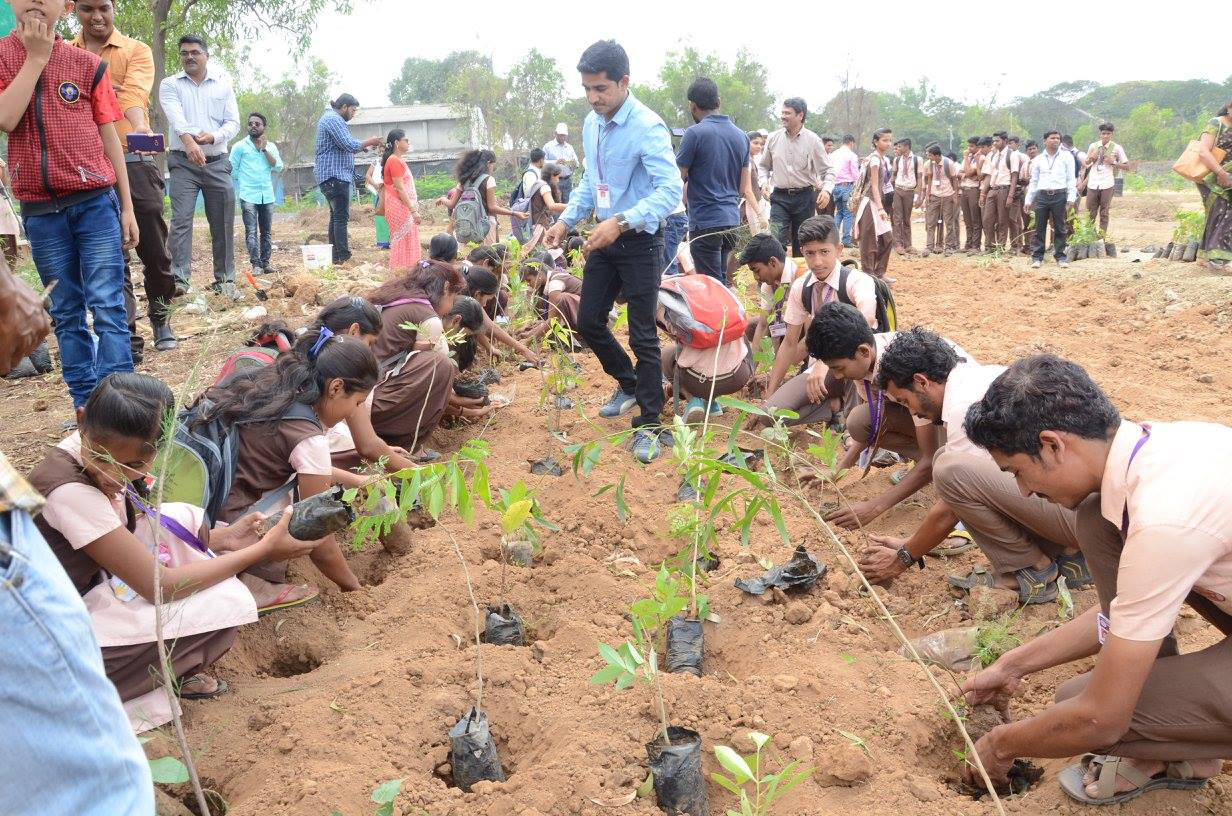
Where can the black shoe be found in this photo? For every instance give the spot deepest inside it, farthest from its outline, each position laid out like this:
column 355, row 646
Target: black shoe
column 164, row 338
column 181, row 288
column 470, row 389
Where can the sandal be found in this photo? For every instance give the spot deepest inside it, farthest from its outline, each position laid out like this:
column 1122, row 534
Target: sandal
column 964, row 542
column 220, row 688
column 897, row 476
column 282, row 601
column 1034, row 586
column 1074, row 568
column 1176, row 776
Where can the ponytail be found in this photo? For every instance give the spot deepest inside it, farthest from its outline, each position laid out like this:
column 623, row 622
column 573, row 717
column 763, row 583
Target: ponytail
column 300, row 375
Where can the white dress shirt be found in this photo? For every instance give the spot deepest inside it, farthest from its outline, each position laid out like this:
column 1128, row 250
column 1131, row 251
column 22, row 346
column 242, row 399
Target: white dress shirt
column 1051, row 172
column 206, row 108
column 554, row 152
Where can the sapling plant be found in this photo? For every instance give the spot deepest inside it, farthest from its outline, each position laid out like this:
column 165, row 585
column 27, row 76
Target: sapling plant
column 560, row 373
column 758, row 788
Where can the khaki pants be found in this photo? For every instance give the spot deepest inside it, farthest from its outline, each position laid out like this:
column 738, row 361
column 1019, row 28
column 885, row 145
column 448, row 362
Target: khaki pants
column 941, row 223
column 1013, row 530
column 996, row 217
column 1185, row 709
column 900, row 216
column 973, row 219
column 1014, row 212
column 1100, row 201
column 899, row 435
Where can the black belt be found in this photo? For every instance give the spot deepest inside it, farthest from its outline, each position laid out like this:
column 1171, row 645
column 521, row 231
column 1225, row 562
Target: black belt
column 208, row 159
column 793, row 190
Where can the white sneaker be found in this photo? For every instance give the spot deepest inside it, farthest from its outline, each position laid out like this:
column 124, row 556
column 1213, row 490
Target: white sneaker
column 1036, row 264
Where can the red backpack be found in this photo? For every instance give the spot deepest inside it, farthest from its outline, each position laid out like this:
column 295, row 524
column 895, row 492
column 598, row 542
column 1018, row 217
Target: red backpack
column 700, row 312
column 261, row 351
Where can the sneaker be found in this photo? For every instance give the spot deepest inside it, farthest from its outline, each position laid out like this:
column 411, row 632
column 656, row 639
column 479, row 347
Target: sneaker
column 695, row 411
column 621, row 403
column 1036, row 264
column 648, row 444
column 1064, row 264
column 715, row 409
column 948, row 253
column 257, row 270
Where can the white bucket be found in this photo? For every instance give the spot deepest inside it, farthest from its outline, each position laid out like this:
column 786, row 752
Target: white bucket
column 317, row 256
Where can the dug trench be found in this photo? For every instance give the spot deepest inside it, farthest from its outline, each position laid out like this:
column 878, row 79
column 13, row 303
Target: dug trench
column 395, row 661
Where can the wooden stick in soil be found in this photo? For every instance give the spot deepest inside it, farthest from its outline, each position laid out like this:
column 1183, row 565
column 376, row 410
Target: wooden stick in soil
column 697, row 533
column 470, row 589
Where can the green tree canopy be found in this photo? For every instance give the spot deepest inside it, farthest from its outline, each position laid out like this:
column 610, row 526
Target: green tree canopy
column 742, row 88
column 425, row 81
column 292, row 105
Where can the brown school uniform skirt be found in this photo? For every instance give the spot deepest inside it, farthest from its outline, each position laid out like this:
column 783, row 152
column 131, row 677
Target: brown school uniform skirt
column 407, row 407
column 133, row 669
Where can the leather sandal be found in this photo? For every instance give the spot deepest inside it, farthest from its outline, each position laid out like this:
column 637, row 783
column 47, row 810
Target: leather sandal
column 1176, row 776
column 1074, row 568
column 1034, row 586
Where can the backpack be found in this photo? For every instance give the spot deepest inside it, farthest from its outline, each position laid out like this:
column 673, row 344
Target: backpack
column 898, row 161
column 887, row 311
column 470, row 214
column 522, row 227
column 700, row 312
column 200, row 466
column 261, row 351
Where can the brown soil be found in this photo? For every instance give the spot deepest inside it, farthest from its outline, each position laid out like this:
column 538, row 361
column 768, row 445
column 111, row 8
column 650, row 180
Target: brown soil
column 330, row 700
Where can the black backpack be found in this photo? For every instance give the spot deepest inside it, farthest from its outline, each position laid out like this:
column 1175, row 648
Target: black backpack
column 887, row 311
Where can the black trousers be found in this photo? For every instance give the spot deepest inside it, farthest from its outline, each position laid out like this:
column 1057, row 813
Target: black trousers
column 711, row 248
column 338, row 193
column 1049, row 204
column 630, row 265
column 787, row 212
column 147, row 190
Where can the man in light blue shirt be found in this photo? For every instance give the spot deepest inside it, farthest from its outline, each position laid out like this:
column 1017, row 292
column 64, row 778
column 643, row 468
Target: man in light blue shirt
column 631, row 185
column 254, row 161
column 1053, row 186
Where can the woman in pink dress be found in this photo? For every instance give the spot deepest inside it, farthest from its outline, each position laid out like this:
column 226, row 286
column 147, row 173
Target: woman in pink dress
column 401, row 205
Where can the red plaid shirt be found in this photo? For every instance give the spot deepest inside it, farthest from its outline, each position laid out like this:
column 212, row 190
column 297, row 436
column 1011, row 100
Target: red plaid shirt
column 56, row 150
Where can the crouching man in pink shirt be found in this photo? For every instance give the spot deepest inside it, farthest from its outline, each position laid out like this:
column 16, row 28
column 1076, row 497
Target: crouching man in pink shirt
column 1154, row 520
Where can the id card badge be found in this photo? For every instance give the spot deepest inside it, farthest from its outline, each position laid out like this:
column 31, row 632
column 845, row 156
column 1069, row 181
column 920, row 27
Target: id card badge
column 1102, row 625
column 778, row 329
column 604, row 196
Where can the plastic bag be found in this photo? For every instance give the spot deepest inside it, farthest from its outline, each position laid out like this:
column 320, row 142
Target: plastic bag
column 472, row 753
column 679, row 784
column 950, row 648
column 685, row 643
column 800, row 572
column 503, row 627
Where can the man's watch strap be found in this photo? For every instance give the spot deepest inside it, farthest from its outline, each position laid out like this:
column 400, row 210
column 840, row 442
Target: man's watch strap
column 906, row 559
column 622, row 221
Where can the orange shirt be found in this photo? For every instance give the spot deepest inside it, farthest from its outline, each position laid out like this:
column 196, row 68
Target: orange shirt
column 131, row 64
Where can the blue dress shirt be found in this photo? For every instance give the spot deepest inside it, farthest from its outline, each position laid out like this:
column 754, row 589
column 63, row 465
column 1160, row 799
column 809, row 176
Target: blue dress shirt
column 632, row 155
column 253, row 174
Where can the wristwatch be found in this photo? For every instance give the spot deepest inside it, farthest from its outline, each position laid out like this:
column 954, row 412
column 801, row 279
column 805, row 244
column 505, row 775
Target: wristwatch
column 622, row 221
column 905, row 558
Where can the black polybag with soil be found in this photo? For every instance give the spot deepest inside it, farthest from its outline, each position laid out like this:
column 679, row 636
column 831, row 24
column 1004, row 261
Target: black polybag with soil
column 684, row 646
column 679, row 785
column 472, row 753
column 316, row 516
column 503, row 627
column 801, row 572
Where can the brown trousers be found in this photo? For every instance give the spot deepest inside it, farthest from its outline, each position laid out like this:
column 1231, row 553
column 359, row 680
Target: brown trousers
column 898, row 436
column 900, row 216
column 874, row 249
column 1013, row 530
column 793, row 396
column 1017, row 227
column 145, row 184
column 973, row 219
column 1185, row 709
column 996, row 217
column 1100, row 201
column 408, row 406
column 941, row 223
column 134, row 669
column 694, row 385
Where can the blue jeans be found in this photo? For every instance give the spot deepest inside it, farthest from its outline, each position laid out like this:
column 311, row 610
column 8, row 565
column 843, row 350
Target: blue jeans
column 80, row 249
column 258, row 232
column 68, row 747
column 675, row 227
column 842, row 214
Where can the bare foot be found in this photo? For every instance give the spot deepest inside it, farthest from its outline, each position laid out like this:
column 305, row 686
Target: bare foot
column 1202, row 769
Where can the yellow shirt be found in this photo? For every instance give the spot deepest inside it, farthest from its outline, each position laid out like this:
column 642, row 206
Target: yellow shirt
column 131, row 64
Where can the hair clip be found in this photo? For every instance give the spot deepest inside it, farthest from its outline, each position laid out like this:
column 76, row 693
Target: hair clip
column 320, row 343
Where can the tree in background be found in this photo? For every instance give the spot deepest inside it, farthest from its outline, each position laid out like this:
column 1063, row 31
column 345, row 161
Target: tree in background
column 426, row 81
column 224, row 23
column 519, row 109
column 293, row 105
column 742, row 88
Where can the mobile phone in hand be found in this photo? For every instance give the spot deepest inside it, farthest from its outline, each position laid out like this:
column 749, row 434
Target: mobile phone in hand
column 143, row 143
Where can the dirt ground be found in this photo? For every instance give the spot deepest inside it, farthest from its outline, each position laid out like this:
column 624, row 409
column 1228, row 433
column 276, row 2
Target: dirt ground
column 330, row 700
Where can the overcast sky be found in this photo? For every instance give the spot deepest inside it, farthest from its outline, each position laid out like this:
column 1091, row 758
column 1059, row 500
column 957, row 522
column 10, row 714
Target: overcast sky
column 817, row 40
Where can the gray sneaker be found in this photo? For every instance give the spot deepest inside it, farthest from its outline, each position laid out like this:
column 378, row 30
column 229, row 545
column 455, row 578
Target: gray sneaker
column 1063, row 263
column 648, row 444
column 621, row 403
column 1036, row 264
